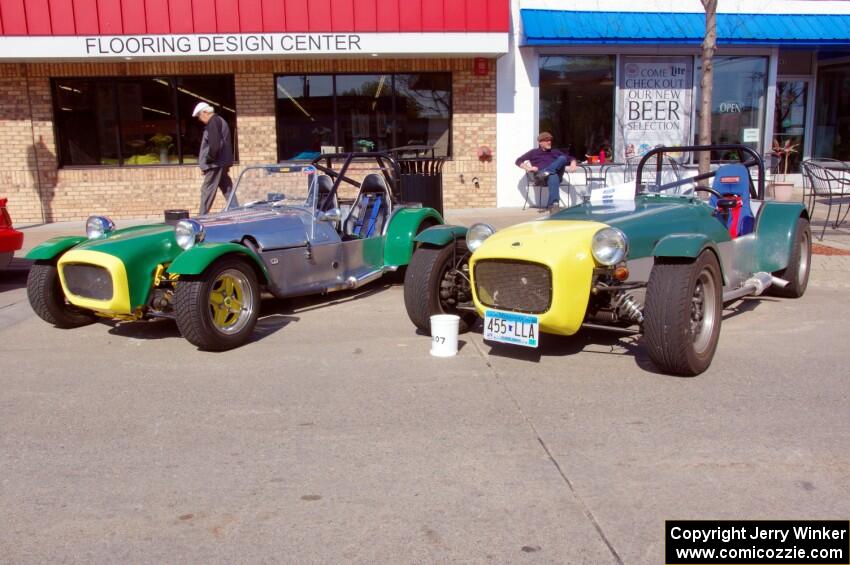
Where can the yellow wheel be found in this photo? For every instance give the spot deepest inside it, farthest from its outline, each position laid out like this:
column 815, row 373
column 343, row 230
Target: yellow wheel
column 219, row 309
column 231, row 301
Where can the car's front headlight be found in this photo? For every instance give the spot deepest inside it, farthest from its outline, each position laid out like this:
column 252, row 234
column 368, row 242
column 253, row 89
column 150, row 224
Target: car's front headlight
column 98, row 226
column 609, row 246
column 188, row 233
column 476, row 235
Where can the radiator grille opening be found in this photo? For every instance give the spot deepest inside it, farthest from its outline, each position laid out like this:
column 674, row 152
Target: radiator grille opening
column 88, row 281
column 516, row 286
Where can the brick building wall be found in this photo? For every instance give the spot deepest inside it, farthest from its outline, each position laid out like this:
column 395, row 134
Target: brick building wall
column 39, row 191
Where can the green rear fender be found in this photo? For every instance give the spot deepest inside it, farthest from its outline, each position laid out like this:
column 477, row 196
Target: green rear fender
column 686, row 246
column 402, row 230
column 775, row 232
column 53, row 248
column 441, row 235
column 196, row 260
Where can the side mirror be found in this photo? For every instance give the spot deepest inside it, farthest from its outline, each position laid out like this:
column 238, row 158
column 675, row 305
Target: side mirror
column 333, row 215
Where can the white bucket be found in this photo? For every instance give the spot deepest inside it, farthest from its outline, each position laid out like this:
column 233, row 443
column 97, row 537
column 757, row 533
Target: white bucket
column 444, row 328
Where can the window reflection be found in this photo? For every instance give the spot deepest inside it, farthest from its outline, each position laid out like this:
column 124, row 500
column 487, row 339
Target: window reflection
column 367, row 112
column 832, row 113
column 423, row 110
column 85, row 119
column 738, row 101
column 304, row 116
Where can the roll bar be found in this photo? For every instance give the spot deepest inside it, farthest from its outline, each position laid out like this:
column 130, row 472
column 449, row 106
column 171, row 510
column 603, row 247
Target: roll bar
column 756, row 192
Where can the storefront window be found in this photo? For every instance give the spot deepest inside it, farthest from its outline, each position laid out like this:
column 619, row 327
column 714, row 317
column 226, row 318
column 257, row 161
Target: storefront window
column 832, row 113
column 305, row 115
column 328, row 113
column 577, row 102
column 364, row 106
column 423, row 110
column 789, row 124
column 738, row 102
column 136, row 121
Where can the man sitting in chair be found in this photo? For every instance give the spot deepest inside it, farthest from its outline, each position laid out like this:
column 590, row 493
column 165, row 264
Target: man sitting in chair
column 548, row 166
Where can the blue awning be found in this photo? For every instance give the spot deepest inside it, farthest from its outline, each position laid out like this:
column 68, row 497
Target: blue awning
column 559, row 27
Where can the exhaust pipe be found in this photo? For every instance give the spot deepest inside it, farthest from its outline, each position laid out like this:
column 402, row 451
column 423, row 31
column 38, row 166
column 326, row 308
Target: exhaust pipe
column 755, row 286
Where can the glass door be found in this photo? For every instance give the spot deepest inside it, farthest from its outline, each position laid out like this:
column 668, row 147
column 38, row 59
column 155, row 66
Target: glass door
column 789, row 125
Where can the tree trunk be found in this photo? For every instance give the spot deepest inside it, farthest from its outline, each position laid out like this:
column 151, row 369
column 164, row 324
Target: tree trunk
column 709, row 46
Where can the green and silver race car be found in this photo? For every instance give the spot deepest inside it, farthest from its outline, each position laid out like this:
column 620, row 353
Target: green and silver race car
column 207, row 273
column 643, row 257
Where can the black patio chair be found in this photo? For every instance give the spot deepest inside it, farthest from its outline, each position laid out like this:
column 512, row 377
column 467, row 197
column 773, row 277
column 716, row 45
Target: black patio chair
column 535, row 185
column 827, row 180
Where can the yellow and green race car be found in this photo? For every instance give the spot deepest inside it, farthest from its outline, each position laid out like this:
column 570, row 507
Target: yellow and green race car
column 643, row 257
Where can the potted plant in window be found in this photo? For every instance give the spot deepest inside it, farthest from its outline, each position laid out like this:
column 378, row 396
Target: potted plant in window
column 782, row 187
column 163, row 143
column 365, row 145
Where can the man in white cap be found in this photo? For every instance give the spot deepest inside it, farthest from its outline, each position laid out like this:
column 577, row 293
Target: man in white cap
column 215, row 157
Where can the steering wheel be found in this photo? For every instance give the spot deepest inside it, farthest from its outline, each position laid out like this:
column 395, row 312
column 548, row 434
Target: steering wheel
column 709, row 190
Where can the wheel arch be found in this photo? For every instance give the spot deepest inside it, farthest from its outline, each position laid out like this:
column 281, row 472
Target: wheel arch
column 775, row 233
column 687, row 247
column 196, row 260
column 402, row 232
column 51, row 249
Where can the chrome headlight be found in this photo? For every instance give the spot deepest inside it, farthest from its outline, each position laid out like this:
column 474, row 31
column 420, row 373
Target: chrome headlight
column 188, row 233
column 98, row 226
column 609, row 246
column 476, row 235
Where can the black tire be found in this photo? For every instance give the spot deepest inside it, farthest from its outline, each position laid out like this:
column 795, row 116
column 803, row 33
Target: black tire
column 799, row 264
column 426, row 273
column 683, row 313
column 44, row 291
column 231, row 323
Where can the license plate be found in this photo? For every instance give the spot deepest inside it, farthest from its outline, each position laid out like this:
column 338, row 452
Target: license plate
column 509, row 327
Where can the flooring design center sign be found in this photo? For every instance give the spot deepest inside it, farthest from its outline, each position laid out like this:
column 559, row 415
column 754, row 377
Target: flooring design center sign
column 656, row 97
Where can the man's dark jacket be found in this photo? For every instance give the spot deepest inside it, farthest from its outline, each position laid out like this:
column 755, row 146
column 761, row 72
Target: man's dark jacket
column 216, row 145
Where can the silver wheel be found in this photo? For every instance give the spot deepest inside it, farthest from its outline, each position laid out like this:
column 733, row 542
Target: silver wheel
column 803, row 270
column 703, row 310
column 231, row 302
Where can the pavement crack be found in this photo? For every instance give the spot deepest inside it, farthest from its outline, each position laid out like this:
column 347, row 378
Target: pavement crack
column 584, row 507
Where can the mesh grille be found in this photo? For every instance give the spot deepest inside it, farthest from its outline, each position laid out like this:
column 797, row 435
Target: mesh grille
column 516, row 286
column 88, row 281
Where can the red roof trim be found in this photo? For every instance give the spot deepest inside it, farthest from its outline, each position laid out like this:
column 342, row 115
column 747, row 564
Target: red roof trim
column 142, row 17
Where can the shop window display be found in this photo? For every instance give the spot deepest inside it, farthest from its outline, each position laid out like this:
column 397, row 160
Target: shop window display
column 135, row 120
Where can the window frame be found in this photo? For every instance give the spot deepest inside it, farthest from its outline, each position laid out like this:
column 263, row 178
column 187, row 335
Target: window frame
column 114, row 81
column 336, row 119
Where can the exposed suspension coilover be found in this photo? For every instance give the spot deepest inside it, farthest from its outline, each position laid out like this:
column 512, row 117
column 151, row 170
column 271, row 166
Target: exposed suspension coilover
column 629, row 308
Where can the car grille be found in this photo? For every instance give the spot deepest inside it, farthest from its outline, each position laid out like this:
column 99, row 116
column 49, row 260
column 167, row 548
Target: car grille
column 517, row 286
column 88, row 281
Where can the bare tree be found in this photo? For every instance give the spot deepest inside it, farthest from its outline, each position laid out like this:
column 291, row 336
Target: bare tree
column 709, row 46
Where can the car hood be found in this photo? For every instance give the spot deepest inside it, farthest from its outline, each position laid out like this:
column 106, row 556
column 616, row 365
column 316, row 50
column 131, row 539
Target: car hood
column 272, row 228
column 647, row 219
